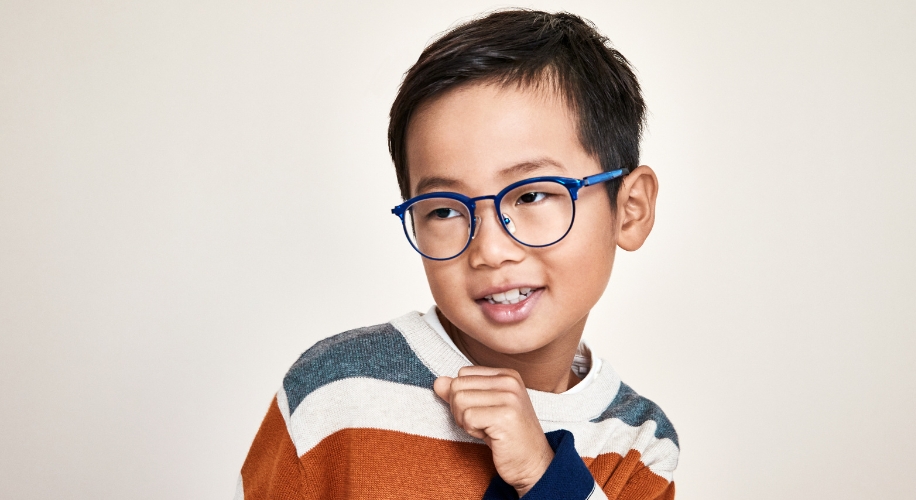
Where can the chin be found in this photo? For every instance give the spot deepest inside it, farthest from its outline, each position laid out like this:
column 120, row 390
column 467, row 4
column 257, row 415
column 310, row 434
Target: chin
column 519, row 343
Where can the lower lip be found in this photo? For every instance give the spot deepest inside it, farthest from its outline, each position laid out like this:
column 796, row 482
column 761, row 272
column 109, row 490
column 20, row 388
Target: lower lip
column 510, row 313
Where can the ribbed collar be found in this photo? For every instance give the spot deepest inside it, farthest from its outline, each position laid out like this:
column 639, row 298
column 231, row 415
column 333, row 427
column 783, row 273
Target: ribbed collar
column 443, row 360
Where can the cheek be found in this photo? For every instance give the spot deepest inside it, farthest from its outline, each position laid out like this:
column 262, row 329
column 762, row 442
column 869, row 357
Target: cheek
column 600, row 229
column 442, row 277
column 585, row 274
column 585, row 263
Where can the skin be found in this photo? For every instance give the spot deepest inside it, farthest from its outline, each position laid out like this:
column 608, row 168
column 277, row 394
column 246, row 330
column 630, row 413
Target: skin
column 476, row 140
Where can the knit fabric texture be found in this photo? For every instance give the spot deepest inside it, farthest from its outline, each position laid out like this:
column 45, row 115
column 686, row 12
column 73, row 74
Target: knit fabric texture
column 357, row 418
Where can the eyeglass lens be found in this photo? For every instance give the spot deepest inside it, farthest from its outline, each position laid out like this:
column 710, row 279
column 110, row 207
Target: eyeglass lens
column 535, row 214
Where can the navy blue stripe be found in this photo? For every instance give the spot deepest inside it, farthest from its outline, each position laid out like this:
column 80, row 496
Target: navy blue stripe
column 635, row 410
column 378, row 352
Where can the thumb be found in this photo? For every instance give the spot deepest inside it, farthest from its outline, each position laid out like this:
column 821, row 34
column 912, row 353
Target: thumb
column 443, row 387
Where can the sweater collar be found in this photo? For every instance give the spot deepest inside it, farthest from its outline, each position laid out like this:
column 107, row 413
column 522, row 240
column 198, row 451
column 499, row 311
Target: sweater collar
column 444, row 359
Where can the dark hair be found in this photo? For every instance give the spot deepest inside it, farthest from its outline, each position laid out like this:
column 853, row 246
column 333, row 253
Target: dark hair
column 528, row 48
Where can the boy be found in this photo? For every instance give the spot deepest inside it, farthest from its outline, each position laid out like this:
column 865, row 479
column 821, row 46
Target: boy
column 515, row 138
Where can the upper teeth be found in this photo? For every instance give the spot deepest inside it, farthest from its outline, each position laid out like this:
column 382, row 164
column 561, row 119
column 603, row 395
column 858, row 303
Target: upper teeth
column 513, row 296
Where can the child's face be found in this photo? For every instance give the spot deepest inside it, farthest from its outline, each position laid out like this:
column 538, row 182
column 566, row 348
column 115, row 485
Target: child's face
column 477, row 140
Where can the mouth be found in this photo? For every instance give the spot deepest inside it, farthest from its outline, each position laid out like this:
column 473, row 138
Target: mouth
column 510, row 306
column 513, row 296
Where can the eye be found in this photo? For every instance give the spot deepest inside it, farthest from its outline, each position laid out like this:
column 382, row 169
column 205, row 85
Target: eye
column 532, row 197
column 443, row 213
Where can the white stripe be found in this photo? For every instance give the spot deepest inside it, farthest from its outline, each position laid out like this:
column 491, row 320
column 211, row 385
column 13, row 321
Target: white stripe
column 366, row 403
column 239, row 490
column 615, row 436
column 661, row 457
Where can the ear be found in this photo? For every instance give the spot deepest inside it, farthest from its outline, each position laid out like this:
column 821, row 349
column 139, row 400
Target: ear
column 636, row 208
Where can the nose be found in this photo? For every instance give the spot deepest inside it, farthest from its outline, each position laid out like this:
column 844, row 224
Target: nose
column 491, row 246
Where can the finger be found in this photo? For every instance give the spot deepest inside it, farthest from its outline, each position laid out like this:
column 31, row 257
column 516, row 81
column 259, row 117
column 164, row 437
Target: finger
column 442, row 388
column 477, row 434
column 496, row 382
column 487, row 371
column 471, row 398
column 492, row 421
column 461, row 401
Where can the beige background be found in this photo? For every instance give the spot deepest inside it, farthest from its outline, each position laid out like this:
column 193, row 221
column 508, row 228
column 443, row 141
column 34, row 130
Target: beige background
column 192, row 194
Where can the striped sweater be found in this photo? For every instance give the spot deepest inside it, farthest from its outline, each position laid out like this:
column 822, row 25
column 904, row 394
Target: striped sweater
column 357, row 419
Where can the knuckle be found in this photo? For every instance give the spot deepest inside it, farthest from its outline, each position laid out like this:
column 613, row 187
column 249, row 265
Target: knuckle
column 458, row 384
column 510, row 398
column 509, row 382
column 506, row 419
column 470, row 418
column 459, row 399
column 465, row 371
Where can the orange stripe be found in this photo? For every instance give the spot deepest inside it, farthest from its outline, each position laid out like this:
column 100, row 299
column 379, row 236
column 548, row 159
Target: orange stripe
column 272, row 469
column 382, row 464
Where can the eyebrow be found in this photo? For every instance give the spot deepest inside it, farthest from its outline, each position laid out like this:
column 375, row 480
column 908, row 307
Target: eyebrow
column 437, row 183
column 529, row 166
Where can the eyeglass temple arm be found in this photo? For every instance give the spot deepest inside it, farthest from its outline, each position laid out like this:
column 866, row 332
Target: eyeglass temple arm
column 604, row 176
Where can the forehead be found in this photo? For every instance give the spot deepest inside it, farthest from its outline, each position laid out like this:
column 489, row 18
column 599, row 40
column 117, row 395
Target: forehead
column 478, row 138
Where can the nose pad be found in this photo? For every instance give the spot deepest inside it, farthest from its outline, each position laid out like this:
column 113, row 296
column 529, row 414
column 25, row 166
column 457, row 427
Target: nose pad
column 476, row 226
column 507, row 222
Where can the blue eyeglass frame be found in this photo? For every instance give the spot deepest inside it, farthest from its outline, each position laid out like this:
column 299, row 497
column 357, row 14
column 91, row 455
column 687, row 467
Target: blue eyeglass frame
column 573, row 185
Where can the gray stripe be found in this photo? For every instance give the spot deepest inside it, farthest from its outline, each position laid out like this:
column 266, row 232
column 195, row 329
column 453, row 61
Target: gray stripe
column 635, row 410
column 378, row 352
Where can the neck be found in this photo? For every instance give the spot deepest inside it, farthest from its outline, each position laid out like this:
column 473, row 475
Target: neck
column 547, row 369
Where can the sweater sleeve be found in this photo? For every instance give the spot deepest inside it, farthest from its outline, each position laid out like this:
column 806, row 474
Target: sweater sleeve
column 568, row 478
column 272, row 469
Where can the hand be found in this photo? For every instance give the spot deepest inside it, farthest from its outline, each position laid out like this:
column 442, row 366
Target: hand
column 492, row 404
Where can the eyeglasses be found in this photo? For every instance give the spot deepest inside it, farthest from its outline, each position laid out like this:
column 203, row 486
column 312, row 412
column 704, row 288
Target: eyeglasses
column 535, row 212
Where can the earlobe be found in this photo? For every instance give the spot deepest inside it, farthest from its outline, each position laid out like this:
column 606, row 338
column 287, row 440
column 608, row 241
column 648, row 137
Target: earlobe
column 636, row 208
